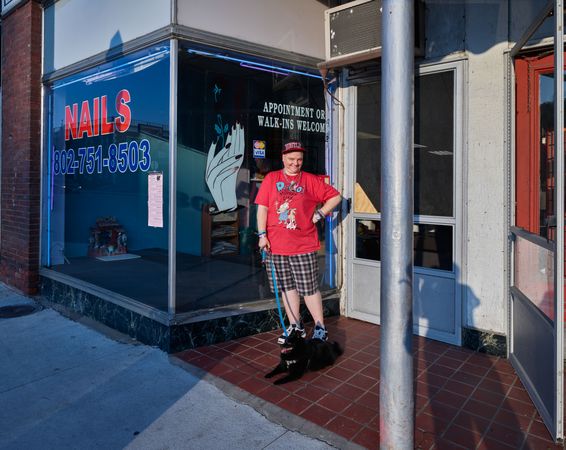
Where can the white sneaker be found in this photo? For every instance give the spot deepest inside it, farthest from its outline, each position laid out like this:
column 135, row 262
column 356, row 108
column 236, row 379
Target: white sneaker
column 293, row 328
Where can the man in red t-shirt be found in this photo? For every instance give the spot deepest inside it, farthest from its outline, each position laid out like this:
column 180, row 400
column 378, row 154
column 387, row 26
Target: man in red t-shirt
column 286, row 219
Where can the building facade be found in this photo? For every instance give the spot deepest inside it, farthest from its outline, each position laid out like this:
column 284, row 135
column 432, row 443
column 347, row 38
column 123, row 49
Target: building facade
column 135, row 135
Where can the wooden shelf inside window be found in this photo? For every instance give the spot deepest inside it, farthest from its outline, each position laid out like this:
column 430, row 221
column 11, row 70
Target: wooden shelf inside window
column 220, row 233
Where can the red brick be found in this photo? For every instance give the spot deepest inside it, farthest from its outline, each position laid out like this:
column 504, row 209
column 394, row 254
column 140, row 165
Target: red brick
column 21, row 143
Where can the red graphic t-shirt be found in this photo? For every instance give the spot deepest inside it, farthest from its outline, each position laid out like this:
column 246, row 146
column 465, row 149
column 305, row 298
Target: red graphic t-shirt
column 291, row 202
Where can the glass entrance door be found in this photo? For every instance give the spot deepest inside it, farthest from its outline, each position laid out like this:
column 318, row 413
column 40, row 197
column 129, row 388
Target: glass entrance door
column 536, row 320
column 437, row 292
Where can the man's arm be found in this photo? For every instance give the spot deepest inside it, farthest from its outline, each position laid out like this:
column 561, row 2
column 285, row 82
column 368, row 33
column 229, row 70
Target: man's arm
column 330, row 204
column 262, row 226
column 327, row 208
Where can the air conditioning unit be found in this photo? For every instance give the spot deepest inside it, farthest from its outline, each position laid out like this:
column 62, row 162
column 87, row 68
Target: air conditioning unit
column 353, row 31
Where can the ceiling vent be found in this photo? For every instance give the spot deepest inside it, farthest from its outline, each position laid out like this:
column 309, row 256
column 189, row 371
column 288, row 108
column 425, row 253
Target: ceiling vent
column 353, row 32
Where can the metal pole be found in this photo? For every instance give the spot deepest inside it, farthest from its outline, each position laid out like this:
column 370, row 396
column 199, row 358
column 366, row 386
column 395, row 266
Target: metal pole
column 559, row 253
column 396, row 405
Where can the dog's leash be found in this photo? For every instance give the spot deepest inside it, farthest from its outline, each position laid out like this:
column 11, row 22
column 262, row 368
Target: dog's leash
column 263, row 257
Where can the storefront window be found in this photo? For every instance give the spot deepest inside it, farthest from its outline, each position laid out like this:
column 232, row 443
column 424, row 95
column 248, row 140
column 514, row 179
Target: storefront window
column 433, row 171
column 233, row 116
column 434, row 146
column 106, row 178
column 432, row 244
column 106, row 174
column 547, row 218
column 367, row 190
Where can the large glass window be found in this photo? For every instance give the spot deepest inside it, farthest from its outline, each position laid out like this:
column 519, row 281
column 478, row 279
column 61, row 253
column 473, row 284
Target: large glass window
column 432, row 244
column 433, row 171
column 234, row 114
column 434, row 146
column 106, row 174
column 547, row 219
column 367, row 195
column 106, row 178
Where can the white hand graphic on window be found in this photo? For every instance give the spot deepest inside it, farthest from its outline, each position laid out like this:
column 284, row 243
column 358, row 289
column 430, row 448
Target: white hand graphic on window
column 222, row 169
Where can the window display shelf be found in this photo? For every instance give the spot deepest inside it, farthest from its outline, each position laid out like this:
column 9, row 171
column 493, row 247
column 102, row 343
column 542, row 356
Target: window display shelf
column 220, row 233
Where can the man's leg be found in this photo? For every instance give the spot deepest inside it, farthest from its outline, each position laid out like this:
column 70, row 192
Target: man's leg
column 305, row 271
column 314, row 305
column 292, row 304
column 285, row 283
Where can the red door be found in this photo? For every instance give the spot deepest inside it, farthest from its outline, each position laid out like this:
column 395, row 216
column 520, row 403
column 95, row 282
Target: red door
column 534, row 182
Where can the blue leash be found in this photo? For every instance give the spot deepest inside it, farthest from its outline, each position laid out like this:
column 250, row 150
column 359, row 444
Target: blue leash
column 263, row 256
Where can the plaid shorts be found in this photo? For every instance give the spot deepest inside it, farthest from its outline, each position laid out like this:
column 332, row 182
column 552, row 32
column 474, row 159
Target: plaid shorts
column 294, row 272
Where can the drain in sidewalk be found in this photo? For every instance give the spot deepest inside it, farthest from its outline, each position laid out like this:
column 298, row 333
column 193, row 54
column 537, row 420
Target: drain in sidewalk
column 11, row 311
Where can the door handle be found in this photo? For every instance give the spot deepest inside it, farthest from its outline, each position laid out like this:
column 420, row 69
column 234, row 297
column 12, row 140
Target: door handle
column 347, row 205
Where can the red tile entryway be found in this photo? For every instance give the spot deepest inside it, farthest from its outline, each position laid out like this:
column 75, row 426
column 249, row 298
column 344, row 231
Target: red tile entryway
column 464, row 399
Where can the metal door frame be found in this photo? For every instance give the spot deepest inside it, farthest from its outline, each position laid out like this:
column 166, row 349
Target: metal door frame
column 554, row 419
column 349, row 98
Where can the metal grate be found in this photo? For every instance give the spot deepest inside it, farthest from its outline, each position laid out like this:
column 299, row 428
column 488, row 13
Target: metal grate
column 355, row 29
column 11, row 311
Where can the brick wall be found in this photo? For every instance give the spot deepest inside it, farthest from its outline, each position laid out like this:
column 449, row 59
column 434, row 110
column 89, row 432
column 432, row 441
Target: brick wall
column 21, row 143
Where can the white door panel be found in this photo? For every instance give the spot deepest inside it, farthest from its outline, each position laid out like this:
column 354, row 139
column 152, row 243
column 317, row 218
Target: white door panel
column 366, row 286
column 438, row 211
column 434, row 302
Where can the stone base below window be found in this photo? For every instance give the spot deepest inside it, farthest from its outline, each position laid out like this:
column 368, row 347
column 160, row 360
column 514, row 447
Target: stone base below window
column 484, row 342
column 176, row 336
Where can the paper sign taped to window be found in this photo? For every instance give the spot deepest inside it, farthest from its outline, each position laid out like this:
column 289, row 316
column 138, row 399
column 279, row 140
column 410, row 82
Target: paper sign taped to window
column 155, row 199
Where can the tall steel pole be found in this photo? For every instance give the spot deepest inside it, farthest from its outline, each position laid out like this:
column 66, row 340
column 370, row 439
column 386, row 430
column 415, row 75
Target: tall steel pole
column 396, row 388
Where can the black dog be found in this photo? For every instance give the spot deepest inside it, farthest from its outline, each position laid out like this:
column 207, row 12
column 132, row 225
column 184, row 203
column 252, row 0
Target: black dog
column 299, row 355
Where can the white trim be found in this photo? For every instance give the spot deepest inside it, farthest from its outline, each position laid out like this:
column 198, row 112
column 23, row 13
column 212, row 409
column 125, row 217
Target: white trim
column 350, row 95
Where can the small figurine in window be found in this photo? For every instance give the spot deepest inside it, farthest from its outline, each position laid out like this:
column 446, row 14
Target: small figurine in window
column 122, row 241
column 97, row 243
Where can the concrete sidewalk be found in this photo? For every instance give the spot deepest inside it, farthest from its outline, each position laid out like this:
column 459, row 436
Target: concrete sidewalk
column 77, row 385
